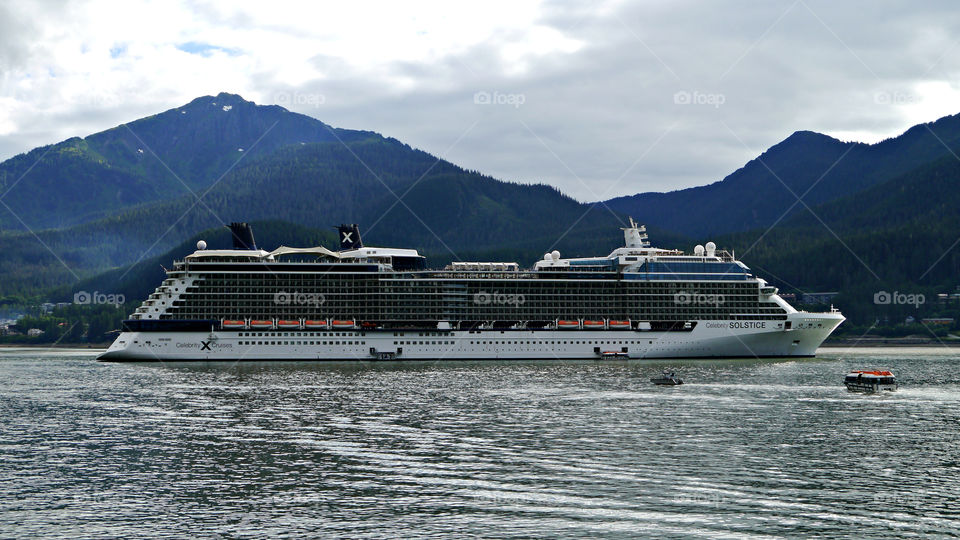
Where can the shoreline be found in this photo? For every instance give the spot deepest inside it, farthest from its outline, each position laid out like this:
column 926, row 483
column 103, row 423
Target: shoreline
column 54, row 345
column 889, row 342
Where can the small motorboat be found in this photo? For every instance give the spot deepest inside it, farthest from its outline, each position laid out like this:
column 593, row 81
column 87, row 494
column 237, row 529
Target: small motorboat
column 870, row 381
column 667, row 378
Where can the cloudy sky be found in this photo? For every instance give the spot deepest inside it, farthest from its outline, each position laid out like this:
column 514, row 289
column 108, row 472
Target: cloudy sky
column 598, row 98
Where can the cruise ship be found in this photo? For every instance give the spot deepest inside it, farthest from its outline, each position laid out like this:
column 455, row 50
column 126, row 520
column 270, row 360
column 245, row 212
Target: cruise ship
column 371, row 303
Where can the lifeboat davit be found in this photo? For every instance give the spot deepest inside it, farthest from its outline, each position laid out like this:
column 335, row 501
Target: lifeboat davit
column 288, row 324
column 261, row 324
column 344, row 324
column 619, row 325
column 568, row 325
column 315, row 325
column 593, row 325
column 233, row 324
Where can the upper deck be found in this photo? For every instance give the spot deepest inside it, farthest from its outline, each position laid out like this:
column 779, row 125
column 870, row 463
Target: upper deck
column 636, row 282
column 637, row 260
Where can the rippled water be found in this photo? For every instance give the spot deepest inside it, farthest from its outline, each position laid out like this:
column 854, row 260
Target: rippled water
column 547, row 449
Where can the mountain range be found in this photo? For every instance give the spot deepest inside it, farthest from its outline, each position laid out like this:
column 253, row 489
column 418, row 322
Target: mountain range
column 806, row 165
column 811, row 212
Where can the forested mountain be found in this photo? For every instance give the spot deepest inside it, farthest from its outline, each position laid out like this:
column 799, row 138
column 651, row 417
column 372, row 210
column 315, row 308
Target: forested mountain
column 444, row 210
column 810, row 165
column 900, row 235
column 167, row 155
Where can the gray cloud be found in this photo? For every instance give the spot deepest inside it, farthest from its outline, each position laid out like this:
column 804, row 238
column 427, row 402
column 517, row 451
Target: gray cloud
column 660, row 96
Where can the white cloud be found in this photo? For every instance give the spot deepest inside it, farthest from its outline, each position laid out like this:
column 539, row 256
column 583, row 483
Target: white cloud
column 598, row 82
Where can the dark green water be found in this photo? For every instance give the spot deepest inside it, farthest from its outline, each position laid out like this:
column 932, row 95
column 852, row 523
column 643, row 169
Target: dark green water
column 498, row 449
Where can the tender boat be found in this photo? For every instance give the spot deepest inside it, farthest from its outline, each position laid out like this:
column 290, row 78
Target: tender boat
column 870, row 381
column 667, row 378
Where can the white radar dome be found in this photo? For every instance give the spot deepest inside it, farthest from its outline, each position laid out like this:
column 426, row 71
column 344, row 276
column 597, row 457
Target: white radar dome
column 698, row 251
column 546, row 257
column 711, row 249
column 555, row 255
column 201, row 245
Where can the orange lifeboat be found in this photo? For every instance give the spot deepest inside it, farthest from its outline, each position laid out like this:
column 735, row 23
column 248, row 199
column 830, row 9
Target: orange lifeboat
column 593, row 325
column 568, row 325
column 288, row 324
column 255, row 323
column 619, row 325
column 315, row 325
column 344, row 324
column 233, row 324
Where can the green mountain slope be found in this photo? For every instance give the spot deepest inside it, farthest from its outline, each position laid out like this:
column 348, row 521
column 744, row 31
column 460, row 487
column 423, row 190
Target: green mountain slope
column 160, row 157
column 901, row 235
column 806, row 164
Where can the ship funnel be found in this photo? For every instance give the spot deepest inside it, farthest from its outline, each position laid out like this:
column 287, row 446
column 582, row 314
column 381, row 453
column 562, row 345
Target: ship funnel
column 350, row 237
column 242, row 236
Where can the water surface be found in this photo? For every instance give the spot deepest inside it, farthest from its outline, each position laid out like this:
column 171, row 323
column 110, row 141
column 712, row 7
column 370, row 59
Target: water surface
column 550, row 449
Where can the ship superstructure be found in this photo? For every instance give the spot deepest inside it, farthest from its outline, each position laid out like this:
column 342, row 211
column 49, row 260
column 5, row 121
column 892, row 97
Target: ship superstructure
column 362, row 303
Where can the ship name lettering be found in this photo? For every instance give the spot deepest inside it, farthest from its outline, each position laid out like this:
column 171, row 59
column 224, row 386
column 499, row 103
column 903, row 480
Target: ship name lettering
column 748, row 324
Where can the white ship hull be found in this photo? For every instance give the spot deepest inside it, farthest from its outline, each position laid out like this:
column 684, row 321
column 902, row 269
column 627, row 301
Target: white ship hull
column 708, row 339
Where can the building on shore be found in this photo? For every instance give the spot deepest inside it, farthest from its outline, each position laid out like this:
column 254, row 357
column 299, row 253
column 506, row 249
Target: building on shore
column 939, row 321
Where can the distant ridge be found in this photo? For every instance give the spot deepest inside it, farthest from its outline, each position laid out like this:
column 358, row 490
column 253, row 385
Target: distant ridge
column 812, row 165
